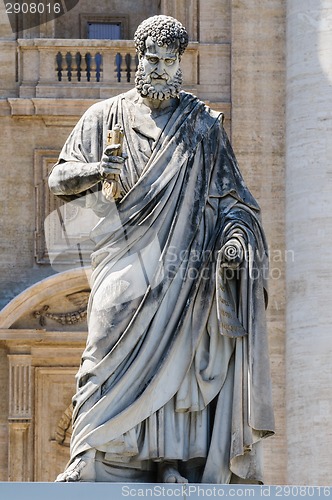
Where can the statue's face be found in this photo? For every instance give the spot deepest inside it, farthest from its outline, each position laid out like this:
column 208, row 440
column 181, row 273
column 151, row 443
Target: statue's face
column 160, row 63
column 159, row 74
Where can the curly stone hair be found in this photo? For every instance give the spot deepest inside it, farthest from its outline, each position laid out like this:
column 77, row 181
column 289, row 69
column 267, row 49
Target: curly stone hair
column 164, row 30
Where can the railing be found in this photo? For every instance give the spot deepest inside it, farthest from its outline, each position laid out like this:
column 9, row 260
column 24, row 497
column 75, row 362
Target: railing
column 70, row 68
column 85, row 68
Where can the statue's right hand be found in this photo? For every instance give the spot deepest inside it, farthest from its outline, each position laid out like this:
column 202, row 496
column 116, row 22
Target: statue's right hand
column 111, row 164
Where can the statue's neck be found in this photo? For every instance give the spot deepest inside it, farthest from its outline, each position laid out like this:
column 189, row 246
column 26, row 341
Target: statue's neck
column 157, row 104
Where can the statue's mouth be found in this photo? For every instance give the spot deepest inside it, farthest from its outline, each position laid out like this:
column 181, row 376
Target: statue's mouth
column 159, row 78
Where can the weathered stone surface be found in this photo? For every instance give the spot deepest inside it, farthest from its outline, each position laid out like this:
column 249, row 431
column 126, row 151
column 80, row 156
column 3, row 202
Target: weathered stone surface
column 257, row 72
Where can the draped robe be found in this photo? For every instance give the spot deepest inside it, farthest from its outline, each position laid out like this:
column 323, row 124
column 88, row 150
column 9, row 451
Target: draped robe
column 170, row 331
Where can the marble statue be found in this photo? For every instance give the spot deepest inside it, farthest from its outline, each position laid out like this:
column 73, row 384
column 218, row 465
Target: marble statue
column 174, row 382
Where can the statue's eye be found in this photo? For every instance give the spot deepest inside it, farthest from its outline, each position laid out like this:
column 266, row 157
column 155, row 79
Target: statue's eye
column 169, row 62
column 153, row 60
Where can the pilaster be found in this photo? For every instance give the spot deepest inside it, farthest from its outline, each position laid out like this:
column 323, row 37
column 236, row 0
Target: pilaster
column 308, row 235
column 20, row 417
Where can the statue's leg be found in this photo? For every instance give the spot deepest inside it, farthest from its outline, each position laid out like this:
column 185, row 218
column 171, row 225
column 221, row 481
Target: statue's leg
column 81, row 469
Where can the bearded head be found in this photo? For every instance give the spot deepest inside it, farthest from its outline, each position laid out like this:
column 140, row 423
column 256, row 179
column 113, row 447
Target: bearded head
column 160, row 42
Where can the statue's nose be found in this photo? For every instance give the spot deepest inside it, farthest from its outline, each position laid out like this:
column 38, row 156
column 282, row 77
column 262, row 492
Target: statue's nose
column 161, row 67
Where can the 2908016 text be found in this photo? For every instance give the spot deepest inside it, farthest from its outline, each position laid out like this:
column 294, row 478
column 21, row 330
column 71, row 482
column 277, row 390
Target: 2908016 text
column 298, row 491
column 33, row 8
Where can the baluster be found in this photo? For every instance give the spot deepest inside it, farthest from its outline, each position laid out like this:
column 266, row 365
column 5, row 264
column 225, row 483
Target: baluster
column 88, row 66
column 99, row 61
column 78, row 59
column 69, row 59
column 93, row 68
column 59, row 68
column 118, row 62
column 128, row 65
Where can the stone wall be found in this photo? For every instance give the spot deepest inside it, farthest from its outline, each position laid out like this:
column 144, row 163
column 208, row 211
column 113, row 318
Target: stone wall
column 20, row 138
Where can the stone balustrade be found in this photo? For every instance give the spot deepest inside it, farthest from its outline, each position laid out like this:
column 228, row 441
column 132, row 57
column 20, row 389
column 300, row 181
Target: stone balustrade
column 88, row 69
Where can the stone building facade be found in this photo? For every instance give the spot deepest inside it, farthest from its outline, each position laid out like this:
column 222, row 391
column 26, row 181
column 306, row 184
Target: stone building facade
column 267, row 66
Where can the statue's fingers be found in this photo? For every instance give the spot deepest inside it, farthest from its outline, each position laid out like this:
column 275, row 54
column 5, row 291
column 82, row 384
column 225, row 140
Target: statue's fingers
column 109, row 150
column 116, row 159
column 112, row 159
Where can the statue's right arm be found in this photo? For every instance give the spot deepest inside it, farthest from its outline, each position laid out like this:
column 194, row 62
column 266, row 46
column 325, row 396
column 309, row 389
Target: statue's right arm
column 73, row 177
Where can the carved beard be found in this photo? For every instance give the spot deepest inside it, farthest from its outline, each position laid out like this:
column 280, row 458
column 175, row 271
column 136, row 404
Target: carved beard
column 146, row 89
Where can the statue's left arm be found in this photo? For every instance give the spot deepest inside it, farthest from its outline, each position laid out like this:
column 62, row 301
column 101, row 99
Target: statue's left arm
column 241, row 296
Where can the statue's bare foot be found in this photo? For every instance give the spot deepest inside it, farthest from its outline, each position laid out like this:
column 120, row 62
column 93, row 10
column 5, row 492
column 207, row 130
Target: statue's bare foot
column 170, row 474
column 81, row 469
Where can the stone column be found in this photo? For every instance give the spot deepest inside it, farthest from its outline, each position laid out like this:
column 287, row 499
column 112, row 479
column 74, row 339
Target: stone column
column 258, row 134
column 309, row 236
